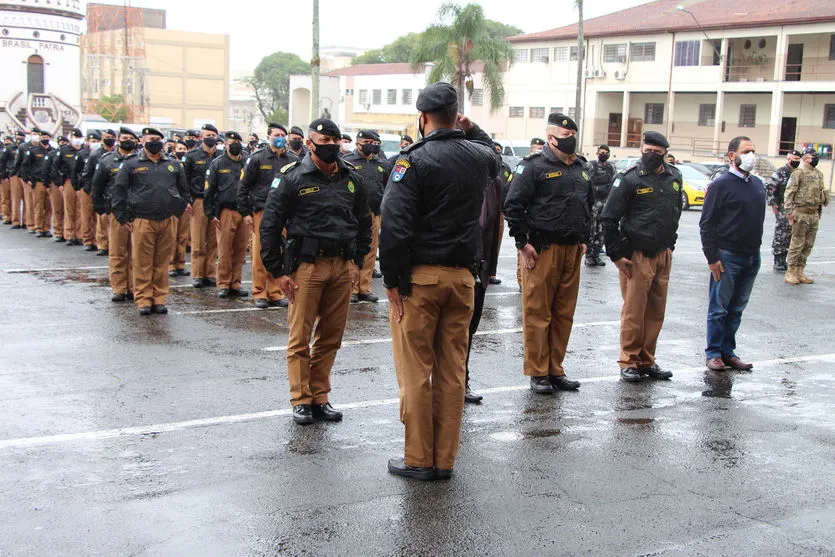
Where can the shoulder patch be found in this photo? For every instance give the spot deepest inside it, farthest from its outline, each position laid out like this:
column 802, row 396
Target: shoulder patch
column 400, row 168
column 287, row 167
column 276, row 181
column 585, row 176
column 616, row 183
column 677, row 185
column 351, row 187
column 520, row 168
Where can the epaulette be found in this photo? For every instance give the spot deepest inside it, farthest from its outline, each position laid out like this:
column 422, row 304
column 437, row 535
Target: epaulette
column 287, row 167
column 350, row 165
column 629, row 169
column 529, row 156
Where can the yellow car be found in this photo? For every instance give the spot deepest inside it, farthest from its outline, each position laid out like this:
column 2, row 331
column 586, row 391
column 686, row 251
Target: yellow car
column 694, row 187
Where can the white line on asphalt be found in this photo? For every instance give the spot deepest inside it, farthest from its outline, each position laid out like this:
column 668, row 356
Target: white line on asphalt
column 170, row 286
column 56, row 269
column 238, row 418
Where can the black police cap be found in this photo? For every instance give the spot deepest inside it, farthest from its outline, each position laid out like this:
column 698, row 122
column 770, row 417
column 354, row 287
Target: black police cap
column 108, row 130
column 561, row 121
column 10, row 138
column 193, row 133
column 603, row 147
column 537, row 141
column 407, row 138
column 346, row 137
column 181, row 142
column 438, row 96
column 152, row 131
column 94, row 135
column 326, row 127
column 38, row 131
column 273, row 125
column 62, row 138
column 209, row 128
column 295, row 130
column 127, row 131
column 45, row 132
column 810, row 151
column 234, row 135
column 796, row 153
column 368, row 134
column 76, row 133
column 655, row 138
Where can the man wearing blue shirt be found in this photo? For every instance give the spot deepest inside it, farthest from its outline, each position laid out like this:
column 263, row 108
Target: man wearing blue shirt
column 732, row 229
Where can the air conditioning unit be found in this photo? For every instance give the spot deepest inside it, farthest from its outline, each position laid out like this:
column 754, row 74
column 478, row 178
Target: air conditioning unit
column 621, row 75
column 599, row 73
column 589, row 73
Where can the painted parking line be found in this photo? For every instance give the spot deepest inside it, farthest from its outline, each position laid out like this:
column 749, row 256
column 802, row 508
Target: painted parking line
column 168, row 427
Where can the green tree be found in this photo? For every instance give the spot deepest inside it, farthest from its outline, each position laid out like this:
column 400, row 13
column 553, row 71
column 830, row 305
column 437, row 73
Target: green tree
column 271, row 81
column 455, row 43
column 112, row 108
column 398, row 51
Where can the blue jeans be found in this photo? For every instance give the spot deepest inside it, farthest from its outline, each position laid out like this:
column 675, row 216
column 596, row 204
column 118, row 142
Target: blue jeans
column 727, row 299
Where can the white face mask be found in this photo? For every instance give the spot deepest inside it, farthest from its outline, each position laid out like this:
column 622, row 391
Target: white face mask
column 34, row 138
column 746, row 162
column 77, row 142
column 94, row 146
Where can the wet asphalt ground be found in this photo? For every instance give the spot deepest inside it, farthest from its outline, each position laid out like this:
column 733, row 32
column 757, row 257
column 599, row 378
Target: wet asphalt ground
column 171, row 435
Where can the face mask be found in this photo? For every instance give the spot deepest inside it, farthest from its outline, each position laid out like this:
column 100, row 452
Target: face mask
column 179, row 155
column 95, row 146
column 794, row 164
column 154, row 147
column 328, row 152
column 253, row 144
column 190, row 143
column 209, row 141
column 370, row 149
column 295, row 144
column 603, row 157
column 127, row 145
column 77, row 142
column 280, row 142
column 814, row 162
column 746, row 162
column 235, row 149
column 567, row 145
column 651, row 160
column 34, row 138
column 421, row 127
column 44, row 142
column 110, row 142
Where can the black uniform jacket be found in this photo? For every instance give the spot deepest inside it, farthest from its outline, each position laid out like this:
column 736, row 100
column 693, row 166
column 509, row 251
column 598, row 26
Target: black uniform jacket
column 145, row 189
column 222, row 181
column 602, row 176
column 196, row 163
column 90, row 165
column 375, row 172
column 63, row 165
column 36, row 163
column 260, row 172
column 104, row 178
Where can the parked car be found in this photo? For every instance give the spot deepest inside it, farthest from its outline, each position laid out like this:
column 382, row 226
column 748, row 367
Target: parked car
column 694, row 186
column 623, row 164
column 707, row 171
column 513, row 150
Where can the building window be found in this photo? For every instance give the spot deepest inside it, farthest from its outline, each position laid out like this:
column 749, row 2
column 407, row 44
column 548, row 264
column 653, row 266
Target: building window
column 832, row 47
column 555, row 110
column 376, row 96
column 561, row 54
column 407, row 96
column 573, row 53
column 539, row 55
column 363, row 96
column 654, row 113
column 707, row 114
column 829, row 116
column 34, row 74
column 536, row 112
column 643, row 52
column 687, row 53
column 572, row 112
column 391, row 96
column 520, row 55
column 477, row 99
column 517, row 112
column 747, row 116
column 349, row 92
column 614, row 53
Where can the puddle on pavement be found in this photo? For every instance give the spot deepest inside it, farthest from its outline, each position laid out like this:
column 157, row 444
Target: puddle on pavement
column 635, row 421
column 510, row 436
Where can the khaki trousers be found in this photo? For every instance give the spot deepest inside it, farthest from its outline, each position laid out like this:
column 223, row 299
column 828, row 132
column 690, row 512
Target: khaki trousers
column 549, row 298
column 519, row 265
column 644, row 302
column 43, row 209
column 804, row 233
column 203, row 243
column 152, row 243
column 102, row 230
column 182, row 231
column 72, row 217
column 231, row 248
column 29, row 197
column 367, row 271
column 6, row 199
column 56, row 201
column 18, row 205
column 263, row 283
column 87, row 216
column 430, row 354
column 324, row 293
column 119, row 260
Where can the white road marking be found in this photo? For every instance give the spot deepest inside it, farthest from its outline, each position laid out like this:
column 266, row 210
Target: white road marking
column 24, row 442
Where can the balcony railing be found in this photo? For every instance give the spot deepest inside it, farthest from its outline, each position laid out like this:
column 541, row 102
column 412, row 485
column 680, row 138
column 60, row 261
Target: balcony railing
column 756, row 73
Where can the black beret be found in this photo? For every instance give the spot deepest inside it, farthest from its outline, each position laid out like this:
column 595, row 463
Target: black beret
column 407, row 138
column 670, row 155
column 151, row 131
column 297, row 131
column 77, row 133
column 561, row 121
column 604, row 147
column 537, row 141
column 94, row 135
column 438, row 96
column 326, row 127
column 38, row 131
column 127, row 131
column 195, row 133
column 368, row 134
column 20, row 133
column 810, row 151
column 108, row 130
column 45, row 132
column 795, row 152
column 234, row 135
column 655, row 138
column 10, row 138
column 273, row 125
column 181, row 142
column 62, row 138
column 209, row 128
column 346, row 137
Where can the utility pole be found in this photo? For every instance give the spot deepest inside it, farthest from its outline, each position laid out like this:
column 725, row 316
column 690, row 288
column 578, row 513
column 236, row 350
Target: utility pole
column 578, row 97
column 314, row 63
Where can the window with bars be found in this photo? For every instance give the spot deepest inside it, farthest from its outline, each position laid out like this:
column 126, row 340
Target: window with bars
column 829, row 116
column 536, row 112
column 520, row 55
column 707, row 114
column 747, row 115
column 614, row 53
column 642, row 52
column 572, row 112
column 478, row 97
column 539, row 55
column 573, row 53
column 517, row 112
column 391, row 96
column 407, row 96
column 555, row 110
column 654, row 113
column 363, row 96
column 377, row 96
column 687, row 53
column 561, row 54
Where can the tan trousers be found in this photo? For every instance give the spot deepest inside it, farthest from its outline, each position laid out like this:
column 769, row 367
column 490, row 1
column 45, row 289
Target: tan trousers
column 367, row 271
column 102, row 230
column 87, row 216
column 18, row 206
column 804, row 233
column 182, row 231
column 430, row 353
column 152, row 243
column 519, row 265
column 231, row 248
column 549, row 297
column 203, row 243
column 72, row 217
column 29, row 196
column 324, row 293
column 43, row 209
column 56, row 201
column 644, row 302
column 6, row 199
column 263, row 283
column 119, row 260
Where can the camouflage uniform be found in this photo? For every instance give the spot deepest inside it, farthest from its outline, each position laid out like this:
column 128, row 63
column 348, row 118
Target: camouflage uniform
column 775, row 188
column 805, row 198
column 602, row 176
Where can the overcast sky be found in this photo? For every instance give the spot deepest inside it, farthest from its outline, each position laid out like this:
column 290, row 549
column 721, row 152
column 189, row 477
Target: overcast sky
column 261, row 27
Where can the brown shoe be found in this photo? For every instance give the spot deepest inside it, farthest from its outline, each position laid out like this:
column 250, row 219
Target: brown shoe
column 791, row 276
column 715, row 364
column 801, row 276
column 735, row 363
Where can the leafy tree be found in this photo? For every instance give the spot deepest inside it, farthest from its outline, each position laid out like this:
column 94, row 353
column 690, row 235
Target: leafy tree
column 112, row 108
column 398, row 51
column 271, row 82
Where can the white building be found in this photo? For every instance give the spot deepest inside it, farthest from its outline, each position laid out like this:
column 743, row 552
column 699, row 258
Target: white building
column 40, row 63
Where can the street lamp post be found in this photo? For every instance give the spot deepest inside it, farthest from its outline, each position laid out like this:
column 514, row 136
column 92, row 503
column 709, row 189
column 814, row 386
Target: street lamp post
column 699, row 25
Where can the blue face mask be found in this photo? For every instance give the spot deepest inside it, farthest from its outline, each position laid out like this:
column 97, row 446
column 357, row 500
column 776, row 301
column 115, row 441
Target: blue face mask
column 280, row 142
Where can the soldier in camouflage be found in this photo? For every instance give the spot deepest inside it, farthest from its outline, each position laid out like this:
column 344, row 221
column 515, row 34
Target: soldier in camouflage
column 775, row 189
column 805, row 198
column 602, row 175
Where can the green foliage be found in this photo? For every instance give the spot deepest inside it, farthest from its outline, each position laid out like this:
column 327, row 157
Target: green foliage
column 271, row 82
column 112, row 108
column 398, row 51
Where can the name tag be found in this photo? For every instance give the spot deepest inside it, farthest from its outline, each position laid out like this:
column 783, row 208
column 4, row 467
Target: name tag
column 141, row 169
column 306, row 191
column 266, row 167
column 641, row 191
column 199, row 162
column 113, row 170
column 550, row 175
column 224, row 171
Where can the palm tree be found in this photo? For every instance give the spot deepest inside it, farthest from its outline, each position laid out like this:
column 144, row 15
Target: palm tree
column 455, row 43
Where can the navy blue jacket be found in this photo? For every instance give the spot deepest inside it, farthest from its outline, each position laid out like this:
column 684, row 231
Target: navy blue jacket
column 733, row 215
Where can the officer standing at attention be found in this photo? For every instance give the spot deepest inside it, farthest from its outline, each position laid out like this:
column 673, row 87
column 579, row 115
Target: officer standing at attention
column 806, row 196
column 118, row 237
column 221, row 206
column 346, row 145
column 84, row 202
column 258, row 178
column 100, row 222
column 640, row 220
column 182, row 226
column 375, row 172
column 16, row 184
column 295, row 142
column 547, row 212
column 322, row 203
column 21, row 170
column 775, row 188
column 203, row 237
column 602, row 174
column 37, row 164
column 428, row 271
column 6, row 152
column 150, row 189
column 62, row 169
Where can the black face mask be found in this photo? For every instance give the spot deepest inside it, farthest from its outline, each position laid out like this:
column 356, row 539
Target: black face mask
column 567, row 145
column 296, row 145
column 127, row 145
column 235, row 149
column 603, row 157
column 210, row 142
column 45, row 142
column 651, row 160
column 253, row 144
column 110, row 142
column 179, row 155
column 190, row 143
column 328, row 152
column 814, row 162
column 794, row 164
column 154, row 147
column 370, row 149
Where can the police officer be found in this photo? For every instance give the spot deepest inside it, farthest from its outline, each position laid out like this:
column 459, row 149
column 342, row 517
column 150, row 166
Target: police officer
column 602, row 174
column 428, row 272
column 84, row 200
column 119, row 238
column 375, row 172
column 505, row 173
column 640, row 220
column 23, row 173
column 806, row 196
column 101, row 222
column 221, row 206
column 182, row 226
column 295, row 142
column 6, row 152
column 775, row 188
column 203, row 237
column 149, row 190
column 37, row 166
column 322, row 203
column 259, row 177
column 547, row 212
column 191, row 139
column 537, row 144
column 405, row 141
column 15, row 182
column 63, row 168
column 346, row 145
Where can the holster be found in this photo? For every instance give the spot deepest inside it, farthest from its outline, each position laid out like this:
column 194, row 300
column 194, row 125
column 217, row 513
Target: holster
column 291, row 255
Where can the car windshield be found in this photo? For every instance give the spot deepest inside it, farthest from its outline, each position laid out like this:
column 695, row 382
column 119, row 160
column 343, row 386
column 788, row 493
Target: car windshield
column 390, row 147
column 690, row 174
column 521, row 150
